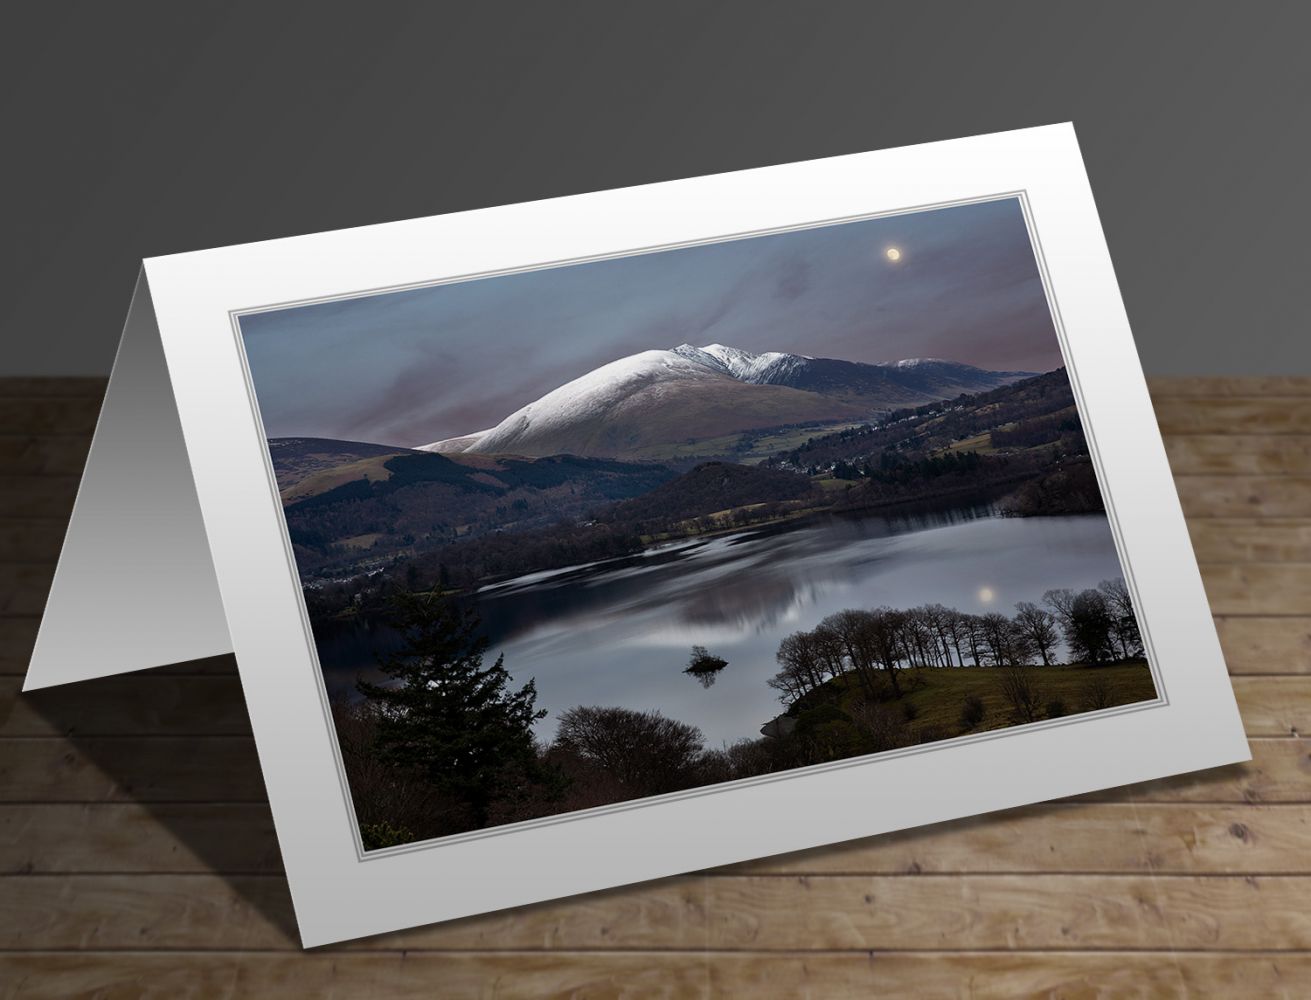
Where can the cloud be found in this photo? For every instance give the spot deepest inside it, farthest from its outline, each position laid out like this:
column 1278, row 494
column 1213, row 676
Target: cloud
column 416, row 366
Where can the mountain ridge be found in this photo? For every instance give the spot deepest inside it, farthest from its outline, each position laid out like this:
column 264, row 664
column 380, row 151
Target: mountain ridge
column 687, row 393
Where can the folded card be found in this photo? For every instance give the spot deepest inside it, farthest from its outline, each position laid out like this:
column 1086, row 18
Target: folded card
column 593, row 540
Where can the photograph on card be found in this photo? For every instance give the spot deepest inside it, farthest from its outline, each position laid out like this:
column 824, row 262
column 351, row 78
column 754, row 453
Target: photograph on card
column 599, row 532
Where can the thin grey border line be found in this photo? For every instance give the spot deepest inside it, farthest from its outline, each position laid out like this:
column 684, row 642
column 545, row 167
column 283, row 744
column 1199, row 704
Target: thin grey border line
column 1021, row 196
column 1121, row 550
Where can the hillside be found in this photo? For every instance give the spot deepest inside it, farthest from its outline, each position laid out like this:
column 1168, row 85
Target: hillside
column 1034, row 412
column 932, row 707
column 707, row 489
column 377, row 503
column 306, row 466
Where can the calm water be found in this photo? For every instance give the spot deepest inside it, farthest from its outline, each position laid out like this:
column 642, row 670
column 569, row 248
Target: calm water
column 620, row 632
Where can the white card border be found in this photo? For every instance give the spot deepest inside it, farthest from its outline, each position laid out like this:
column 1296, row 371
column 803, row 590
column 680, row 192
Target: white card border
column 337, row 895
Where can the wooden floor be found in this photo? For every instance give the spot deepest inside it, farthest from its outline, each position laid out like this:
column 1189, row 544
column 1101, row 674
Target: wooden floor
column 138, row 856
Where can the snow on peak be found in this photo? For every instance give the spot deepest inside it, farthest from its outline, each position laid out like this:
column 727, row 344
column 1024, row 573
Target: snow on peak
column 913, row 362
column 586, row 396
column 749, row 367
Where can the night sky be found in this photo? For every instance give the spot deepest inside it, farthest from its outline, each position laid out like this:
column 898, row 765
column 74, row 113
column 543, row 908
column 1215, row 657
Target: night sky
column 407, row 368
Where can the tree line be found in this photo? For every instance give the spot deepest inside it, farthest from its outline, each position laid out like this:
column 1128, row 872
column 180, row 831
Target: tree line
column 447, row 743
column 1096, row 626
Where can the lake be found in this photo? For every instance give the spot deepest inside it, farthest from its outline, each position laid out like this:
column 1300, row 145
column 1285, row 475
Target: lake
column 620, row 632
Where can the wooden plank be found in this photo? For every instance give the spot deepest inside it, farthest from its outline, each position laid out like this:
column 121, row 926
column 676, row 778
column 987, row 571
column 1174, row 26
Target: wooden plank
column 759, row 913
column 1248, row 540
column 1244, row 496
column 672, row 974
column 1108, row 838
column 1072, row 838
column 29, row 455
column 1006, row 975
column 31, row 541
column 1279, row 771
column 129, row 837
column 141, row 769
column 131, row 704
column 1239, row 454
column 1233, row 415
column 24, row 587
column 1274, row 706
column 38, row 496
column 1165, row 386
column 966, row 913
column 1262, row 645
column 49, row 415
column 1258, row 589
column 184, row 975
column 17, row 637
column 172, row 911
column 28, row 386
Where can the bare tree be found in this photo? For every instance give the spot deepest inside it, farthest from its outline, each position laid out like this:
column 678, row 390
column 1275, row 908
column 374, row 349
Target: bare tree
column 1127, row 635
column 1039, row 627
column 956, row 626
column 972, row 626
column 647, row 752
column 1061, row 602
column 829, row 650
column 995, row 631
column 851, row 629
column 803, row 667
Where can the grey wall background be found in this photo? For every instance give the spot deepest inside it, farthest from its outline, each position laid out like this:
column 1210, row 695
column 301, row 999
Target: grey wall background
column 136, row 129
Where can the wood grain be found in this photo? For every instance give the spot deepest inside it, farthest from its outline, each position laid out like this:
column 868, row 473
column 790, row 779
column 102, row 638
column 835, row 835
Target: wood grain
column 1111, row 838
column 132, row 703
column 137, row 853
column 1077, row 838
column 1239, row 455
column 1168, row 387
column 1248, row 540
column 172, row 769
column 1261, row 589
column 765, row 913
column 1264, row 645
column 1244, row 496
column 672, row 974
column 1246, row 415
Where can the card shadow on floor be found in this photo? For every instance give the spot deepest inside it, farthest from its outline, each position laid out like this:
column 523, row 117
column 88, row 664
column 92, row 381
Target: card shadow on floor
column 177, row 741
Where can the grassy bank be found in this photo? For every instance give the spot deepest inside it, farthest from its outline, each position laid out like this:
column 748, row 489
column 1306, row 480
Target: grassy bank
column 934, row 701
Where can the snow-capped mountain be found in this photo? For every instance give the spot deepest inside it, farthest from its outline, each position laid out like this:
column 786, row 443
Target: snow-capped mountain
column 661, row 397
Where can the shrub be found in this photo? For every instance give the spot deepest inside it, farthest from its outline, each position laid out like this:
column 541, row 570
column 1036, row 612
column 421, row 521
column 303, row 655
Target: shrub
column 883, row 727
column 382, row 834
column 1021, row 690
column 1096, row 693
column 972, row 712
column 910, row 711
column 1055, row 708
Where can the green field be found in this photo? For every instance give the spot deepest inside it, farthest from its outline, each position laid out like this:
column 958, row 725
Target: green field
column 936, row 695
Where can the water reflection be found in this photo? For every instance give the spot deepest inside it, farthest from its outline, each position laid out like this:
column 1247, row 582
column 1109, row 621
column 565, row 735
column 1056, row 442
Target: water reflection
column 619, row 632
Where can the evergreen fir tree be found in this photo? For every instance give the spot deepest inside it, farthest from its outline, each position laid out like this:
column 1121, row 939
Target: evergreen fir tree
column 451, row 718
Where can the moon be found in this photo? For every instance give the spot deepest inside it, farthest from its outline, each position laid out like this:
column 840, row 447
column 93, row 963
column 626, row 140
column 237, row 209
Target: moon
column 987, row 595
column 893, row 254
